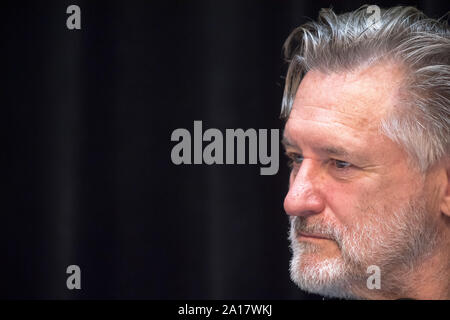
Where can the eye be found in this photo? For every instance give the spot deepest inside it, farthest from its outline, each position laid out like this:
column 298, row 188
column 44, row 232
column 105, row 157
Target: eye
column 341, row 165
column 294, row 159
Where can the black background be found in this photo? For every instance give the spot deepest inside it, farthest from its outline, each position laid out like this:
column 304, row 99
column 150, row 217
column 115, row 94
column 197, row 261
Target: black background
column 88, row 119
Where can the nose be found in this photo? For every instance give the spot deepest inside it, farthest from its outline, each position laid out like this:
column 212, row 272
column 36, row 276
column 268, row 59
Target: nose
column 304, row 197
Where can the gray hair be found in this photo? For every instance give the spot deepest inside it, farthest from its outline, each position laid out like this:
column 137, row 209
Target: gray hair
column 335, row 43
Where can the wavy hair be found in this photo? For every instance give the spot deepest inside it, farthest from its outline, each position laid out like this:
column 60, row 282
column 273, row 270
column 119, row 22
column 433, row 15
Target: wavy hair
column 420, row 122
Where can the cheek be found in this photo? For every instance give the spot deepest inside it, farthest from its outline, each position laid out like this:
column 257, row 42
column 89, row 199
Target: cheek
column 346, row 201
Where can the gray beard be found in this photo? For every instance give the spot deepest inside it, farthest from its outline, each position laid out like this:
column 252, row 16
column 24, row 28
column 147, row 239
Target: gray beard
column 394, row 243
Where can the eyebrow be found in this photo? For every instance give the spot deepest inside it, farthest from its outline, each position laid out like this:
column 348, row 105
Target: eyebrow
column 340, row 152
column 329, row 150
column 286, row 142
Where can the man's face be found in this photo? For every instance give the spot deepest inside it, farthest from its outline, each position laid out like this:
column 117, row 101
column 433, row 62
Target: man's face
column 353, row 199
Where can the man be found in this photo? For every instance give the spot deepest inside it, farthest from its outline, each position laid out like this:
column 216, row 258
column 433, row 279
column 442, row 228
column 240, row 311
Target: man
column 367, row 109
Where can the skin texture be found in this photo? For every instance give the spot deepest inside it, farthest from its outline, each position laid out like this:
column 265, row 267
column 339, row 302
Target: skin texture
column 336, row 116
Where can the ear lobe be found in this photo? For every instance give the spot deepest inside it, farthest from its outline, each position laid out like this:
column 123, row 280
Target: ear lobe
column 445, row 203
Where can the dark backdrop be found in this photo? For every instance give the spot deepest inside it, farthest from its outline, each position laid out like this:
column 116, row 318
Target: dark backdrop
column 88, row 119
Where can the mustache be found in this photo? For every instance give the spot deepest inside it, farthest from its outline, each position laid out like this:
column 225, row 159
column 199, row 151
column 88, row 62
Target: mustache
column 327, row 229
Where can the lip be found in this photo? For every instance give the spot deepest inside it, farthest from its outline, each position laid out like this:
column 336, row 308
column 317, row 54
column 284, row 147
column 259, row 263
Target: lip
column 312, row 236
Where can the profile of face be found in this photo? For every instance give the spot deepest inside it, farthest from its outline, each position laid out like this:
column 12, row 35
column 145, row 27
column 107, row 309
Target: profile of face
column 355, row 200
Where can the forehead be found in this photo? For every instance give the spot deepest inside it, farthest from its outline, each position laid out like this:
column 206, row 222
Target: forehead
column 350, row 102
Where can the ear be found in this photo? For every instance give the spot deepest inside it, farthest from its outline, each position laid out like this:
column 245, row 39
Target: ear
column 445, row 202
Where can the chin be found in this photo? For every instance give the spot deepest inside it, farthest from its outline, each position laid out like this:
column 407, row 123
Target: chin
column 326, row 276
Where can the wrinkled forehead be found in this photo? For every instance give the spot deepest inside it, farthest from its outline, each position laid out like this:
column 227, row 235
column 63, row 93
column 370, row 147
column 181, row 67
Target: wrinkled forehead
column 331, row 116
column 343, row 109
column 363, row 96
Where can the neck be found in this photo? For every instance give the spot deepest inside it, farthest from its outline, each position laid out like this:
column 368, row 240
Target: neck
column 429, row 279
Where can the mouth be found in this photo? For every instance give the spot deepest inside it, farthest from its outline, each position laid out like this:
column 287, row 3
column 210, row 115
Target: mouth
column 312, row 236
